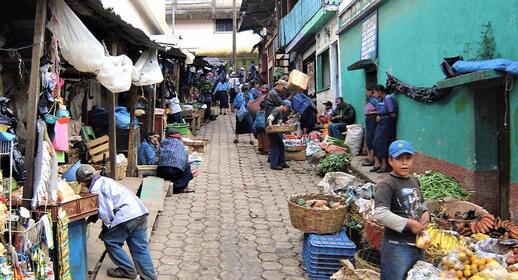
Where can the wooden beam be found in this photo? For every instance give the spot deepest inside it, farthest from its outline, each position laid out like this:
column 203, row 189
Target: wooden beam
column 33, row 96
column 112, row 128
column 151, row 109
column 132, row 164
column 163, row 90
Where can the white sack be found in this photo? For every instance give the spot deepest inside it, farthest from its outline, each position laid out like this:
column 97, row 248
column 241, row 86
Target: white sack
column 354, row 138
column 83, row 51
column 148, row 69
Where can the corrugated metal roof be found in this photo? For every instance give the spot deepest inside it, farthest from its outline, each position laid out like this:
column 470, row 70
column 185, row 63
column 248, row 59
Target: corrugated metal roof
column 256, row 14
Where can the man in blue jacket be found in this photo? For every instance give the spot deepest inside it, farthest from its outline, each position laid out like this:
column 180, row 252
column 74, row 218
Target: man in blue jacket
column 124, row 219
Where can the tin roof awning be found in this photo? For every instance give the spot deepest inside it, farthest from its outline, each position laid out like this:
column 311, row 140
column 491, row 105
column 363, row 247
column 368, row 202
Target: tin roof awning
column 256, row 14
column 369, row 65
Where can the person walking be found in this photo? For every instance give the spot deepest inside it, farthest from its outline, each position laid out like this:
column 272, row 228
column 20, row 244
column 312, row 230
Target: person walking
column 221, row 94
column 233, row 87
column 260, row 133
column 244, row 121
column 276, row 153
column 124, row 218
column 386, row 128
column 370, row 126
column 173, row 162
column 343, row 115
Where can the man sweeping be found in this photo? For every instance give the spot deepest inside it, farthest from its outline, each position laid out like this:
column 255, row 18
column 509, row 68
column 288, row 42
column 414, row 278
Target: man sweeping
column 124, row 219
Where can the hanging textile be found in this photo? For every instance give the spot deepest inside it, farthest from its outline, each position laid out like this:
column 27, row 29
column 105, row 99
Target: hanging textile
column 420, row 94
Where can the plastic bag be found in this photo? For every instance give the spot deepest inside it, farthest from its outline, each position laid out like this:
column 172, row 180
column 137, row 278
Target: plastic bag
column 122, row 118
column 423, row 271
column 260, row 120
column 354, row 138
column 242, row 113
column 333, row 181
column 83, row 51
column 60, row 141
column 462, row 66
column 148, row 70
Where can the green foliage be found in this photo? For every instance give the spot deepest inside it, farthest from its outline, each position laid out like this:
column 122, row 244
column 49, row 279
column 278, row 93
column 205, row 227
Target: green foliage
column 337, row 162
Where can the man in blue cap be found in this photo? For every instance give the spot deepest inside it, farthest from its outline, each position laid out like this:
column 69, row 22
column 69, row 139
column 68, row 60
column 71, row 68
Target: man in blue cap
column 276, row 149
column 400, row 208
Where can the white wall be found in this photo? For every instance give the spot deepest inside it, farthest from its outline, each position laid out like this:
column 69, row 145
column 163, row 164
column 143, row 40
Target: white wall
column 133, row 12
column 200, row 36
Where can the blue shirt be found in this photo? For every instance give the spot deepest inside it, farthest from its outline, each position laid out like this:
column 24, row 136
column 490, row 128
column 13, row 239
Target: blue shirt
column 387, row 105
column 222, row 86
column 147, row 154
column 173, row 154
column 255, row 93
column 116, row 203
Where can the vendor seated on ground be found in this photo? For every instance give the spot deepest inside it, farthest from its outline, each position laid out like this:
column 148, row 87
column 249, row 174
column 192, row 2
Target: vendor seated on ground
column 124, row 219
column 400, row 208
column 148, row 150
column 173, row 162
column 326, row 114
column 343, row 115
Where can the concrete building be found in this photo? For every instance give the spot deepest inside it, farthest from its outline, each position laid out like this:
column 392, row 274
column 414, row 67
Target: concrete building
column 146, row 15
column 205, row 28
column 471, row 133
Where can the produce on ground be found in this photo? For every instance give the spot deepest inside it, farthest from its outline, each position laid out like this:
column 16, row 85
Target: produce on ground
column 442, row 241
column 333, row 163
column 435, row 185
column 337, row 142
column 462, row 263
column 319, row 204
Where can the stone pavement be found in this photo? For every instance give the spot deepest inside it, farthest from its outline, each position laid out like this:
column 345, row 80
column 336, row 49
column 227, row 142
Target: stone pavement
column 236, row 225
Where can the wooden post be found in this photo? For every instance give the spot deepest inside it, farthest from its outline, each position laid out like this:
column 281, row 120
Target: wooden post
column 112, row 128
column 33, row 96
column 163, row 90
column 151, row 110
column 132, row 165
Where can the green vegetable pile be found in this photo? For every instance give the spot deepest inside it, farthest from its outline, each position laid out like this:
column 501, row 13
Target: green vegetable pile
column 337, row 142
column 435, row 185
column 337, row 162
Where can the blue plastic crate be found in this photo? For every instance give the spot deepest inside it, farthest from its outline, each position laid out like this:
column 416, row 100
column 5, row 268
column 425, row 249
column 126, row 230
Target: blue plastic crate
column 330, row 244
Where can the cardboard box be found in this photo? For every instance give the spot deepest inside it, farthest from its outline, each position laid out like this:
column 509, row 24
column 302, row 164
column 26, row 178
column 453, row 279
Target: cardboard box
column 301, row 155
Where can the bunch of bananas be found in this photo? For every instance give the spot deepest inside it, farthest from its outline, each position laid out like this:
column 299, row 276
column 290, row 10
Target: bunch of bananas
column 443, row 241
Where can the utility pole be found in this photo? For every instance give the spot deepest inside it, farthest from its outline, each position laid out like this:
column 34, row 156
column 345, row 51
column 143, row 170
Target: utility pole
column 234, row 31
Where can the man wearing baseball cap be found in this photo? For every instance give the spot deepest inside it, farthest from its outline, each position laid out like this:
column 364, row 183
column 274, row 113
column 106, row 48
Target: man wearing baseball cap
column 275, row 96
column 124, row 219
column 400, row 208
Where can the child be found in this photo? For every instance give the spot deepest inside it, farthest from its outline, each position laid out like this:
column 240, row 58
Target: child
column 400, row 208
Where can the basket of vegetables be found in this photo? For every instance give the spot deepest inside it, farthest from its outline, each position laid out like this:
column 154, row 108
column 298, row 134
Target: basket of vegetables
column 317, row 213
column 435, row 185
column 338, row 162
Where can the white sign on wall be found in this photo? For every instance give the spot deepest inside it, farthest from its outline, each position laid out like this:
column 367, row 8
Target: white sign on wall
column 369, row 47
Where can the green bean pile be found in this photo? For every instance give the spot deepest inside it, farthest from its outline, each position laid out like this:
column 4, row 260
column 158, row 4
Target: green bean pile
column 435, row 185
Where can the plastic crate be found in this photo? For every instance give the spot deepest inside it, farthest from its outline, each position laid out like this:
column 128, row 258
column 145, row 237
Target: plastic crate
column 330, row 244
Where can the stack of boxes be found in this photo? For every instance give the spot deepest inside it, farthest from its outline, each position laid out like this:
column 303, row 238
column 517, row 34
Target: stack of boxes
column 322, row 253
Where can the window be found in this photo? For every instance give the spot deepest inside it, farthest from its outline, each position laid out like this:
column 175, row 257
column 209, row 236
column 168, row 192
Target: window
column 323, row 71
column 223, row 25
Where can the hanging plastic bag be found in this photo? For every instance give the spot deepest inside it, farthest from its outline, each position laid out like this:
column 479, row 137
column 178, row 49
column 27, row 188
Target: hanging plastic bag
column 147, row 69
column 83, row 51
column 242, row 113
column 122, row 118
column 260, row 120
column 60, row 141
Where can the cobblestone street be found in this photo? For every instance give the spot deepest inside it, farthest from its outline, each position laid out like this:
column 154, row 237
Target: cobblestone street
column 236, row 225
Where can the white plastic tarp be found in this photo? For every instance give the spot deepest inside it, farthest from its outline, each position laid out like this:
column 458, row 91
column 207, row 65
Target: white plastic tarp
column 83, row 51
column 147, row 70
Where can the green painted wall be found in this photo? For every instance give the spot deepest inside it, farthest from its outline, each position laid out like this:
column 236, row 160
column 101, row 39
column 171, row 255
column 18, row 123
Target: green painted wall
column 413, row 38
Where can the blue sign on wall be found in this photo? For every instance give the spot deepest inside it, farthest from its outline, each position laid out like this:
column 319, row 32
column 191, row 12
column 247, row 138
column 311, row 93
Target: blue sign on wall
column 369, row 47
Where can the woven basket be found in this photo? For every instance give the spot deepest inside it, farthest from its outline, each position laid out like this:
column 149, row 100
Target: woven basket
column 294, row 148
column 368, row 258
column 280, row 129
column 373, row 233
column 317, row 221
column 120, row 170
